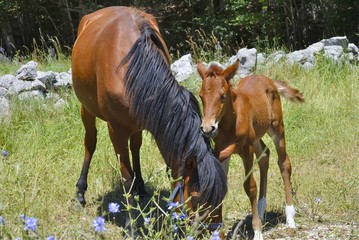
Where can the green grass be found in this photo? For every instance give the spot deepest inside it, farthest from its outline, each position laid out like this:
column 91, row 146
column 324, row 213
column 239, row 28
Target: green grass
column 45, row 157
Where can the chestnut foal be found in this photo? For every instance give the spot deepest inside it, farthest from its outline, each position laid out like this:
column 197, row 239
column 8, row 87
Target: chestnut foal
column 237, row 119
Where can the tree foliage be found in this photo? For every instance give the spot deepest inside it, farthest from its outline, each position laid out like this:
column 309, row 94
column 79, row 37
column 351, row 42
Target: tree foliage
column 259, row 23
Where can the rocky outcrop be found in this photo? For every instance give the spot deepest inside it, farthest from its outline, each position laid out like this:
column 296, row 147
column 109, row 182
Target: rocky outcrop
column 336, row 48
column 27, row 82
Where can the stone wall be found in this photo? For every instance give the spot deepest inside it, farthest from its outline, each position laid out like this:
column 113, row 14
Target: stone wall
column 27, row 82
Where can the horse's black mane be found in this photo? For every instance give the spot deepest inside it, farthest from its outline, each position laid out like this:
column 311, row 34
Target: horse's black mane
column 170, row 112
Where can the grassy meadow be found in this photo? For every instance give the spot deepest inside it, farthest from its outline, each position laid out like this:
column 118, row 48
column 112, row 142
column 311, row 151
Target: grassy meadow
column 45, row 149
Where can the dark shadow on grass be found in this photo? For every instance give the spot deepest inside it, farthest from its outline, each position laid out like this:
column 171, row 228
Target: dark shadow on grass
column 145, row 203
column 242, row 229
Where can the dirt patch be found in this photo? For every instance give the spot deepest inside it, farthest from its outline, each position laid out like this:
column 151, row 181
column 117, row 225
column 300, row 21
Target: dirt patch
column 274, row 228
column 328, row 231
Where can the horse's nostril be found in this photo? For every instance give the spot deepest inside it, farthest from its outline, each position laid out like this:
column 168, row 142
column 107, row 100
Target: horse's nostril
column 202, row 129
column 213, row 128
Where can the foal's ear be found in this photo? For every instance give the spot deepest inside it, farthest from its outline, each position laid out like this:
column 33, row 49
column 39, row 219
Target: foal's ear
column 201, row 69
column 230, row 71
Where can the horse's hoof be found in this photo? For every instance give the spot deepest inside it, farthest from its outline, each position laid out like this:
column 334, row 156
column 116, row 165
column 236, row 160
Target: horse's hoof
column 76, row 205
column 80, row 198
column 143, row 194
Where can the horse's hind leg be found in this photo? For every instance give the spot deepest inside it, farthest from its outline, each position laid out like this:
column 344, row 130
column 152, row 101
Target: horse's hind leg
column 277, row 134
column 89, row 122
column 262, row 154
column 135, row 145
column 119, row 138
column 250, row 187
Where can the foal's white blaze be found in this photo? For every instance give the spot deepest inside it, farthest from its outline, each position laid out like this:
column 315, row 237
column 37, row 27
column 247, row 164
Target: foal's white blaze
column 289, row 214
column 262, row 205
column 258, row 235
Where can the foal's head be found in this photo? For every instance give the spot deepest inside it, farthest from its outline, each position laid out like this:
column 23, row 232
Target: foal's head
column 215, row 94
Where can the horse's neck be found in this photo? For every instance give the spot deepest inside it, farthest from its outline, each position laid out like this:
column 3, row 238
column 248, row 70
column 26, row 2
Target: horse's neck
column 229, row 116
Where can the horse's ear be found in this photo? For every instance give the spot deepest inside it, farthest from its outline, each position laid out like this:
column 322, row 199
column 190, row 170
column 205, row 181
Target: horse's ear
column 201, row 69
column 230, row 71
column 191, row 163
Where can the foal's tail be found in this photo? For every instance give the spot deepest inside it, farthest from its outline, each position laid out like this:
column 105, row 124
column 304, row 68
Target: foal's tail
column 288, row 92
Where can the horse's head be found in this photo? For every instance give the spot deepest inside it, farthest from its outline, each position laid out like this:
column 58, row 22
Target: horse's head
column 185, row 191
column 215, row 93
column 202, row 187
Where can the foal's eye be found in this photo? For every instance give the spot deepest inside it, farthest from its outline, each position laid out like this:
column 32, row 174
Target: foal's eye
column 223, row 97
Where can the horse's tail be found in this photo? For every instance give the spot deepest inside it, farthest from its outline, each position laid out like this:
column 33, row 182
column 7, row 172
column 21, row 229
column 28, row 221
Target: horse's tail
column 288, row 92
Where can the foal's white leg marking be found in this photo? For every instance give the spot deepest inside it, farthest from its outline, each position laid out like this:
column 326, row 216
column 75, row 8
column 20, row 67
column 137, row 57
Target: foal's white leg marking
column 262, row 205
column 289, row 214
column 258, row 235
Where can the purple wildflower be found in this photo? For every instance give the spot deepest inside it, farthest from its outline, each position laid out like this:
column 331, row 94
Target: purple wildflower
column 182, row 216
column 171, row 205
column 2, row 221
column 4, row 153
column 30, row 223
column 99, row 224
column 175, row 215
column 190, row 238
column 318, row 200
column 114, row 207
column 215, row 236
column 175, row 228
column 51, row 237
column 147, row 220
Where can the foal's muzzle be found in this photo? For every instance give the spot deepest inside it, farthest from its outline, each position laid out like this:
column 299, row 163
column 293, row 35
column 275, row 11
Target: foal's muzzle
column 209, row 130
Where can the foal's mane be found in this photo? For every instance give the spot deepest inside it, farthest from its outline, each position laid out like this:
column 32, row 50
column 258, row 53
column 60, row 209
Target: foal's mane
column 214, row 69
column 170, row 112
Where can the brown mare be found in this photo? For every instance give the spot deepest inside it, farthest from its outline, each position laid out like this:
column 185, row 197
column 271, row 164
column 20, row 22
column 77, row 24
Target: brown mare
column 237, row 118
column 121, row 74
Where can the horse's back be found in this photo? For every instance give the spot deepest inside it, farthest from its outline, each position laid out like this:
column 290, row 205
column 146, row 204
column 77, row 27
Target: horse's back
column 104, row 38
column 253, row 84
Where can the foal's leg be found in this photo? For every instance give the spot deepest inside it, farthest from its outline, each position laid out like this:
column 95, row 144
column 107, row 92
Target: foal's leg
column 135, row 145
column 251, row 190
column 277, row 134
column 262, row 154
column 89, row 122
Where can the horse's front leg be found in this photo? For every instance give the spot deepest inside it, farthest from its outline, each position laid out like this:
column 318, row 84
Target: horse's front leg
column 135, row 145
column 262, row 153
column 119, row 137
column 250, row 187
column 227, row 152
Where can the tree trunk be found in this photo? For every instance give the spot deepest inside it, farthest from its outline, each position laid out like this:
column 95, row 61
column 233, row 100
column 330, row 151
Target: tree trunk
column 7, row 35
column 218, row 5
column 66, row 3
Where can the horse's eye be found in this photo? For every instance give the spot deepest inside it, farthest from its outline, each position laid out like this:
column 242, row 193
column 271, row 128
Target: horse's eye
column 223, row 97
